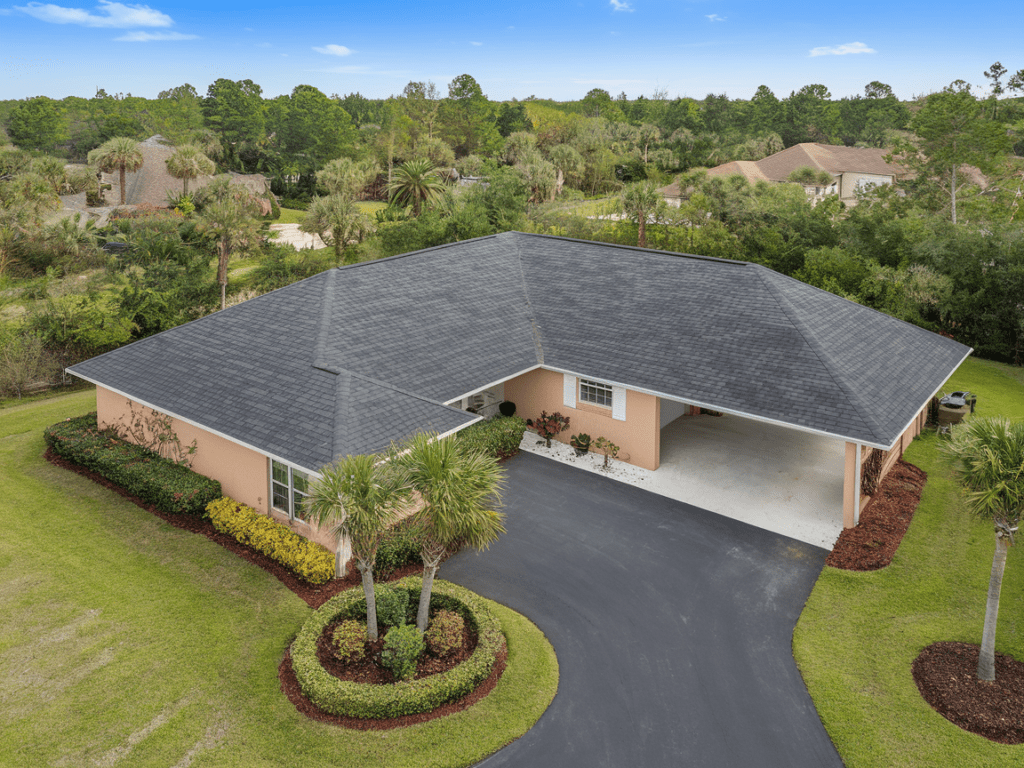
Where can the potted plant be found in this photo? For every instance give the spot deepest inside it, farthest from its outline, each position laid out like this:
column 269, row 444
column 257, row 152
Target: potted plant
column 548, row 426
column 581, row 443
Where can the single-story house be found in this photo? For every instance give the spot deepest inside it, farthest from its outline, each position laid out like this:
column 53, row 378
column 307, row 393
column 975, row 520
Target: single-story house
column 620, row 339
column 852, row 169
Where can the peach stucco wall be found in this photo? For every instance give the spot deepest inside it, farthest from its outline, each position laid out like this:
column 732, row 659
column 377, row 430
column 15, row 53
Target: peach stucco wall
column 243, row 473
column 638, row 437
column 853, row 500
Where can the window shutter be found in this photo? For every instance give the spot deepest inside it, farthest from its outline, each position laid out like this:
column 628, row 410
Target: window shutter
column 618, row 403
column 568, row 390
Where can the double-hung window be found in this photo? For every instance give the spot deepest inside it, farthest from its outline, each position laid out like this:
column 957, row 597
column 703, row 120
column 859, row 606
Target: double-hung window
column 595, row 392
column 289, row 490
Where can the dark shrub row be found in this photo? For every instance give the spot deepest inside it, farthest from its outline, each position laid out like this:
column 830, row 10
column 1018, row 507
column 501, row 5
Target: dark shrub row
column 398, row 547
column 170, row 487
column 498, row 437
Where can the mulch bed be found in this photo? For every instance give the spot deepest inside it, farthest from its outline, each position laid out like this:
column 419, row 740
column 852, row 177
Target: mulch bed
column 946, row 673
column 370, row 670
column 314, row 596
column 947, row 677
column 873, row 542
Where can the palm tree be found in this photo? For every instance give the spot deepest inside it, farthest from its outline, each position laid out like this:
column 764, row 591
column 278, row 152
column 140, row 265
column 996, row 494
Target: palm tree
column 416, row 182
column 230, row 216
column 357, row 497
column 337, row 219
column 639, row 201
column 990, row 454
column 347, row 177
column 118, row 154
column 188, row 162
column 460, row 491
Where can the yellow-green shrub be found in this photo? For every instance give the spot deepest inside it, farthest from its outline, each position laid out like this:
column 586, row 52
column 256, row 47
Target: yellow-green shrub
column 306, row 559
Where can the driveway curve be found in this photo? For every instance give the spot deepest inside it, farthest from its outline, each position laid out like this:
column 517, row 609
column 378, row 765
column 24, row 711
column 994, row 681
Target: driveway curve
column 673, row 626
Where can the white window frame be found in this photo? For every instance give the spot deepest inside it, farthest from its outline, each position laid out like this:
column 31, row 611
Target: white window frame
column 596, row 393
column 291, row 492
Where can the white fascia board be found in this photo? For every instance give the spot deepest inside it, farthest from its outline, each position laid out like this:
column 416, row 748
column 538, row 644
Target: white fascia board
column 197, row 425
column 460, row 428
column 927, row 400
column 720, row 409
column 492, row 384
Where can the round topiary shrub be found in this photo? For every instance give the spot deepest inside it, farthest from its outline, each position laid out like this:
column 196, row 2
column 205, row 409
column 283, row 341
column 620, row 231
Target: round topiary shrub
column 444, row 633
column 408, row 697
column 350, row 640
column 392, row 605
column 403, row 647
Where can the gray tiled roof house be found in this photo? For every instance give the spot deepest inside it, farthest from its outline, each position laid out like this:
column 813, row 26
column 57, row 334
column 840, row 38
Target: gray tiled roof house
column 354, row 358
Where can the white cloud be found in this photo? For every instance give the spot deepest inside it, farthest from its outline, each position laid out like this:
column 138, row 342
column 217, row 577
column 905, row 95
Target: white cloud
column 476, row 43
column 841, row 50
column 116, row 15
column 360, row 70
column 607, row 83
column 333, row 50
column 714, row 17
column 146, row 37
column 620, row 5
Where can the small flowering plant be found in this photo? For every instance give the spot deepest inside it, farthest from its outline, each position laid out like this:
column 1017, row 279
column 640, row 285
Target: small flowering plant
column 548, row 426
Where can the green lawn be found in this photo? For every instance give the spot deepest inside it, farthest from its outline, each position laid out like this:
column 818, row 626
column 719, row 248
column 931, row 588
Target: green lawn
column 290, row 216
column 125, row 641
column 860, row 632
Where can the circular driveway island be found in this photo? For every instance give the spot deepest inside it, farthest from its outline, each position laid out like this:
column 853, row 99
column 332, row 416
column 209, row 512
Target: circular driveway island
column 673, row 626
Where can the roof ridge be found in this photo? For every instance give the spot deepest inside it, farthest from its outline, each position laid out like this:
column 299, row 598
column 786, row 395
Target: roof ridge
column 620, row 246
column 861, row 407
column 420, row 252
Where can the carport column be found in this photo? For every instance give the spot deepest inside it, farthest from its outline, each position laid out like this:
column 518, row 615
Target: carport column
column 851, row 486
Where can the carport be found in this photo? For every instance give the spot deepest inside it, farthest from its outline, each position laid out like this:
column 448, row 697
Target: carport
column 777, row 478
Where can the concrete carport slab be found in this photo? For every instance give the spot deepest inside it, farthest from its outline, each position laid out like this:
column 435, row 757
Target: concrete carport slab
column 673, row 626
column 780, row 479
column 777, row 478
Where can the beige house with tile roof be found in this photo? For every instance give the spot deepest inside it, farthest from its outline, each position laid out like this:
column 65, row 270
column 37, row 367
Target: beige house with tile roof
column 852, row 169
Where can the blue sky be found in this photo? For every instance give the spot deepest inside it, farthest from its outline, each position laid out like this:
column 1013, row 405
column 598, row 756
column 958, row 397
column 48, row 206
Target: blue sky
column 557, row 49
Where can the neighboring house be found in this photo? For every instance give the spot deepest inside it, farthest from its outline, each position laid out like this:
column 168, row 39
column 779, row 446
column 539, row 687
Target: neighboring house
column 151, row 184
column 622, row 340
column 853, row 169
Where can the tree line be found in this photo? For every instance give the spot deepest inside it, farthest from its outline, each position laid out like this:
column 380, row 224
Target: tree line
column 943, row 250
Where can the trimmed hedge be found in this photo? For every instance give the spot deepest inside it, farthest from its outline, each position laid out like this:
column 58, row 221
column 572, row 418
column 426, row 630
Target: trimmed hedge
column 171, row 488
column 306, row 559
column 409, row 697
column 499, row 437
column 398, row 547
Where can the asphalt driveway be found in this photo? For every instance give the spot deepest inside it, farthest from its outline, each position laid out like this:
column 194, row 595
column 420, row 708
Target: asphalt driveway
column 673, row 626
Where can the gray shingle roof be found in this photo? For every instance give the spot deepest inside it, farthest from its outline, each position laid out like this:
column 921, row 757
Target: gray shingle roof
column 353, row 358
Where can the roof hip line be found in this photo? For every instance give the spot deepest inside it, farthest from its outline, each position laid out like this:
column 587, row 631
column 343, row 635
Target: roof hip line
column 323, row 332
column 534, row 329
column 862, row 408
